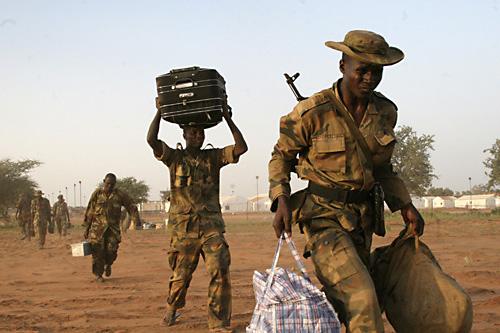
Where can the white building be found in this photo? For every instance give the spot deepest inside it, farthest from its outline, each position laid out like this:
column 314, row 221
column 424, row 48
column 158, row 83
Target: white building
column 476, row 201
column 428, row 201
column 259, row 203
column 233, row 204
column 497, row 201
column 151, row 206
column 443, row 202
column 418, row 202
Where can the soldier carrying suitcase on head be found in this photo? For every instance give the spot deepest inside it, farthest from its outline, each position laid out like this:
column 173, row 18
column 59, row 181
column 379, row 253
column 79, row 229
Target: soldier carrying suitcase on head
column 195, row 218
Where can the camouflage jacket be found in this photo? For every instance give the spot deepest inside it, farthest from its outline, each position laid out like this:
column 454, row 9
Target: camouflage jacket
column 194, row 180
column 60, row 209
column 327, row 151
column 104, row 211
column 24, row 208
column 40, row 209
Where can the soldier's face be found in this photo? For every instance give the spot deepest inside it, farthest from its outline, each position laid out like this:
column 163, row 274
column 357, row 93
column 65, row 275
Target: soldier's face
column 109, row 184
column 361, row 78
column 194, row 137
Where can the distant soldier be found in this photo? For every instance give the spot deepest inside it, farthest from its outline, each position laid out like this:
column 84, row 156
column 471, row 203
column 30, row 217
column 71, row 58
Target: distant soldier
column 23, row 215
column 60, row 214
column 102, row 224
column 196, row 219
column 40, row 213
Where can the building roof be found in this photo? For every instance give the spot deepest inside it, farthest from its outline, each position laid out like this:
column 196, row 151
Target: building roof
column 446, row 197
column 477, row 196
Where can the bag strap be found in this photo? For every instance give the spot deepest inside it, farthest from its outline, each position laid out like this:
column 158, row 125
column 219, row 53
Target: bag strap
column 353, row 129
column 295, row 255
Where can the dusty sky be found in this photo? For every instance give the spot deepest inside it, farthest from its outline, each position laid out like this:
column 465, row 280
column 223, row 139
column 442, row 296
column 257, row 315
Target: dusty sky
column 78, row 79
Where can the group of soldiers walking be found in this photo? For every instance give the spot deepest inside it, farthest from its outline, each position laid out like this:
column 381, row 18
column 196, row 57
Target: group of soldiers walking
column 340, row 140
column 36, row 217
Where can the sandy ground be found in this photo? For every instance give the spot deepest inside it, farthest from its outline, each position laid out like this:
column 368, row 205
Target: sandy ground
column 51, row 291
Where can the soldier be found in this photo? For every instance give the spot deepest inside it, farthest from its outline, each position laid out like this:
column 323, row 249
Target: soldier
column 23, row 215
column 40, row 214
column 195, row 218
column 102, row 224
column 60, row 214
column 344, row 137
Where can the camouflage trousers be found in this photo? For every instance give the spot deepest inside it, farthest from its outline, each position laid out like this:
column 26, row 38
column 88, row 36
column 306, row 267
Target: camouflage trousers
column 62, row 225
column 26, row 228
column 40, row 225
column 104, row 252
column 183, row 257
column 341, row 262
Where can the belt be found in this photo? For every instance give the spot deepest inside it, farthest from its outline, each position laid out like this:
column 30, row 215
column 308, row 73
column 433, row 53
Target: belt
column 338, row 194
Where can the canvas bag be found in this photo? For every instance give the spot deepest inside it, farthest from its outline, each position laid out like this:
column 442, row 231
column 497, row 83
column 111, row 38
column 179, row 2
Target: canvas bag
column 287, row 302
column 415, row 293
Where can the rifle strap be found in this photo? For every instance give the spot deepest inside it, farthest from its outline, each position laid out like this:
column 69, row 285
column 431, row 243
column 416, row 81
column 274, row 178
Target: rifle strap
column 364, row 151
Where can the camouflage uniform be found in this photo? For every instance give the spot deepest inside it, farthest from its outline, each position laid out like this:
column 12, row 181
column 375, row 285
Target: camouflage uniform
column 102, row 217
column 60, row 214
column 40, row 213
column 197, row 228
column 24, row 216
column 339, row 235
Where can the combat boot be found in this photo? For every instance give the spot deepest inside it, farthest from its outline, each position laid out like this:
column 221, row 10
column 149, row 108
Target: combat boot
column 170, row 317
column 107, row 270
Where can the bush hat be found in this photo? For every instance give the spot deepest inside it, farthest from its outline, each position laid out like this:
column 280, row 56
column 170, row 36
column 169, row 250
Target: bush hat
column 368, row 47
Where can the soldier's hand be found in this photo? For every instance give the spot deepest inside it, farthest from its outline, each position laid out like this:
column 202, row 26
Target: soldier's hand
column 283, row 217
column 413, row 219
column 86, row 234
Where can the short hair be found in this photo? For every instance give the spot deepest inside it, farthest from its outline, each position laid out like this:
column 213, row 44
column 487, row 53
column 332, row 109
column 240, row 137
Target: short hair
column 110, row 175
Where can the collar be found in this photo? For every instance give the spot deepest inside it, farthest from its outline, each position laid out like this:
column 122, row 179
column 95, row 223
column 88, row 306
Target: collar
column 371, row 107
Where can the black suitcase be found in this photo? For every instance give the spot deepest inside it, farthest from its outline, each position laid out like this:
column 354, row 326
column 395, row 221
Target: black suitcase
column 191, row 96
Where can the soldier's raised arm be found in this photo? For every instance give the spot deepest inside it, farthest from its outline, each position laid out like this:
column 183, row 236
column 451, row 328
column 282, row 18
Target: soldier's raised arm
column 240, row 146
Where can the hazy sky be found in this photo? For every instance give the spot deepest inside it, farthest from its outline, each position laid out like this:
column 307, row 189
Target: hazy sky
column 78, row 79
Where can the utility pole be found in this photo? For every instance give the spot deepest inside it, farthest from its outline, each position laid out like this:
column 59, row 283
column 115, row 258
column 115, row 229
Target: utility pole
column 66, row 192
column 80, row 182
column 257, row 194
column 74, row 195
column 470, row 193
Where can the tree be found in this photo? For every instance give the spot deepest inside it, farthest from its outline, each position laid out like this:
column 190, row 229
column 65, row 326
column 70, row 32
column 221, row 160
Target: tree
column 411, row 159
column 15, row 180
column 138, row 190
column 492, row 163
column 439, row 191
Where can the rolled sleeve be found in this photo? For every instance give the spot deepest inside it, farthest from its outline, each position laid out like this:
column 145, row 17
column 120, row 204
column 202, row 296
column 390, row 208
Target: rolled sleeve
column 227, row 156
column 166, row 154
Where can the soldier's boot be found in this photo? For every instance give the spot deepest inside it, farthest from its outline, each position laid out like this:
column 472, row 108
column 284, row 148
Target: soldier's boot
column 170, row 317
column 107, row 270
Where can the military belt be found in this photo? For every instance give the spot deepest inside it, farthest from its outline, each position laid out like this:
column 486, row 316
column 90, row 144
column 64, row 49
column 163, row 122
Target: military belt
column 338, row 194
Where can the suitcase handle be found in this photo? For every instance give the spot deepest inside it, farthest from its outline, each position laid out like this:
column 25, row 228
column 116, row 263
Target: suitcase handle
column 185, row 69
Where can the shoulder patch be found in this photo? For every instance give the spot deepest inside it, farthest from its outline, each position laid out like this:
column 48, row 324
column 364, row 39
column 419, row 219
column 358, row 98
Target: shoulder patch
column 311, row 102
column 381, row 96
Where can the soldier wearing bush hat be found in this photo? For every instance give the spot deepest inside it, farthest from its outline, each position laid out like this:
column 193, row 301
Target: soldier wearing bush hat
column 343, row 137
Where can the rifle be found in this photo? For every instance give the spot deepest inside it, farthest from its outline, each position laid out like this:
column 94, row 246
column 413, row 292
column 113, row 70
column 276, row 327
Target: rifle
column 290, row 81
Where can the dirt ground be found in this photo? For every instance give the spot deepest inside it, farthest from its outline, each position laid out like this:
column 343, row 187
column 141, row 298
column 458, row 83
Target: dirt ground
column 51, row 291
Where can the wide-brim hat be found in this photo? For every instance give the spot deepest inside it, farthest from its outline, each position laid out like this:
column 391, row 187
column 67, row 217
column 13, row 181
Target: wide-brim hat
column 368, row 47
